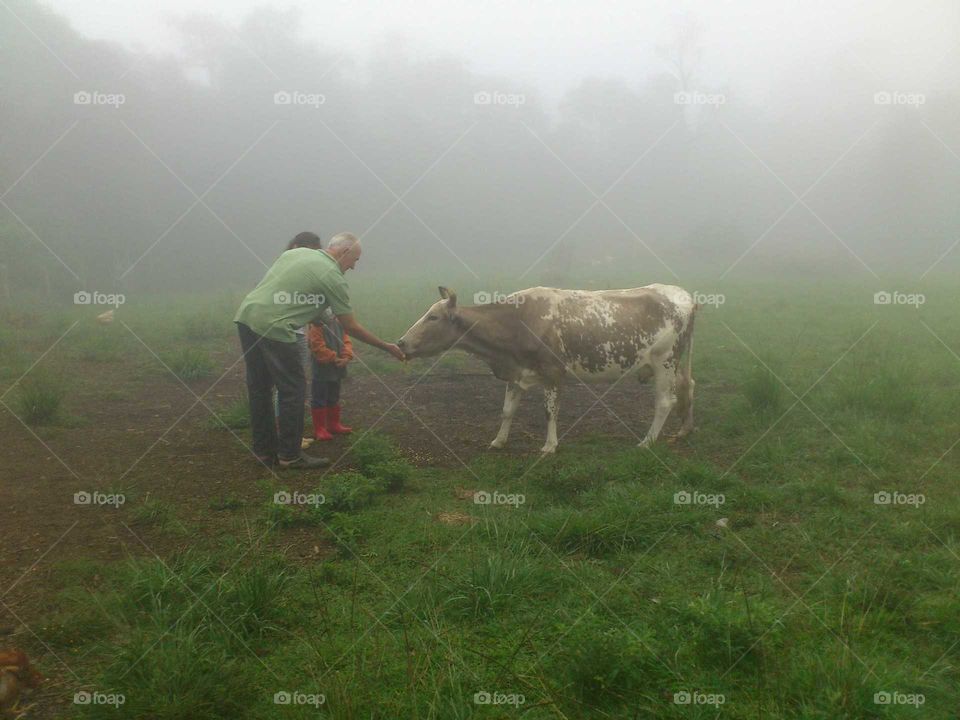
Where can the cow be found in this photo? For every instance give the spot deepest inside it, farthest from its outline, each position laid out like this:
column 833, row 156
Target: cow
column 541, row 335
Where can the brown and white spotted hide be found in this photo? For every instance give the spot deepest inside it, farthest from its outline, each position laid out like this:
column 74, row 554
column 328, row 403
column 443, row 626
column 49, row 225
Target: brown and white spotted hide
column 542, row 335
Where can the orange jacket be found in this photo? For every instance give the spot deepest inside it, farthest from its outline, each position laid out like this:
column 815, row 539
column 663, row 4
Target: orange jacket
column 319, row 348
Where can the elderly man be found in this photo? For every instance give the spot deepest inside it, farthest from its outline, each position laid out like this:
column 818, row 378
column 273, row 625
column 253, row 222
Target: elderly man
column 302, row 283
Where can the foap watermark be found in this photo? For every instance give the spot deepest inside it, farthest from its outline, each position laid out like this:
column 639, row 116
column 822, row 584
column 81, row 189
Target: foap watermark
column 494, row 97
column 295, row 697
column 699, row 98
column 299, row 298
column 283, row 497
column 83, row 697
column 896, row 97
column 898, row 498
column 686, row 497
column 484, row 697
column 482, row 497
column 695, row 697
column 485, row 297
column 85, row 297
column 87, row 97
column 297, row 97
column 883, row 297
column 894, row 697
column 711, row 299
column 98, row 498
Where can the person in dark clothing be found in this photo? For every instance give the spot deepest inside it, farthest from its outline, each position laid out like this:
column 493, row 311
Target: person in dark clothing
column 312, row 241
column 300, row 285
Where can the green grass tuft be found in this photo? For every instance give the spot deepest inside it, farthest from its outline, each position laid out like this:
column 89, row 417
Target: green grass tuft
column 190, row 363
column 40, row 397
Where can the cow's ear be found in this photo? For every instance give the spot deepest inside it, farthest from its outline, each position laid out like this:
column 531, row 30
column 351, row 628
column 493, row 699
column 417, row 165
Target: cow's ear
column 449, row 295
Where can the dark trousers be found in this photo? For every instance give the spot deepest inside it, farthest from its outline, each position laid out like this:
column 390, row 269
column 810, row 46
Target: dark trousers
column 325, row 393
column 273, row 364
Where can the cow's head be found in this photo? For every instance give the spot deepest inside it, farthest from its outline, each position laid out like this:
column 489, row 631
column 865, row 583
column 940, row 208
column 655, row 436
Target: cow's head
column 436, row 331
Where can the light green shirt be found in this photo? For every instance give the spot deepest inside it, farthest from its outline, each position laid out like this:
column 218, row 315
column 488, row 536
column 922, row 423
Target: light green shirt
column 301, row 284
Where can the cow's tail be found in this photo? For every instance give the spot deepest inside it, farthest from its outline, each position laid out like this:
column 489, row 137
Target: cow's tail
column 685, row 369
column 687, row 350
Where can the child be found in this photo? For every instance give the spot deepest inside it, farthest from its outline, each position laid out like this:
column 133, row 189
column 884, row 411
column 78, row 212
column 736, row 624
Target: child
column 332, row 350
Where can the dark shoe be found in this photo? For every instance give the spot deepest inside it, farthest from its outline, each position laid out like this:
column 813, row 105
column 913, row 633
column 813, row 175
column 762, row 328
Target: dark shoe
column 266, row 460
column 304, row 462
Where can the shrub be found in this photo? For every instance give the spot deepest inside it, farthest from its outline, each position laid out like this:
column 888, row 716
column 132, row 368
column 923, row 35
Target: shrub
column 607, row 664
column 189, row 363
column 235, row 416
column 40, row 398
column 154, row 512
column 279, row 515
column 886, row 392
column 100, row 344
column 728, row 628
column 370, row 450
column 392, row 474
column 347, row 492
column 763, row 391
column 490, row 584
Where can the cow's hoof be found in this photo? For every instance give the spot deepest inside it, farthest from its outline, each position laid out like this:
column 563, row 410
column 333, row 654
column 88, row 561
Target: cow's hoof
column 645, row 443
column 497, row 444
column 548, row 449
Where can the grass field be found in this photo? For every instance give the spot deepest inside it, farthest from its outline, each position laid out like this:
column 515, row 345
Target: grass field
column 796, row 557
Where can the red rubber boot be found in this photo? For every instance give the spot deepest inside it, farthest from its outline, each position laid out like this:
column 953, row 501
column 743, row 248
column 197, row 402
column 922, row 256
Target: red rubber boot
column 333, row 421
column 320, row 431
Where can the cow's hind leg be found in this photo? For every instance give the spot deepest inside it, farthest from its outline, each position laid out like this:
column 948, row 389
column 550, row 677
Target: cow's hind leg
column 511, row 401
column 685, row 403
column 665, row 397
column 551, row 402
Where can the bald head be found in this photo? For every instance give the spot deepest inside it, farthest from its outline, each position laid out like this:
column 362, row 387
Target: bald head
column 345, row 249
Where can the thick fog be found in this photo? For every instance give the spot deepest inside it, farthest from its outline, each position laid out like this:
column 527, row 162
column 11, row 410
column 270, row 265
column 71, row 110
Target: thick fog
column 550, row 142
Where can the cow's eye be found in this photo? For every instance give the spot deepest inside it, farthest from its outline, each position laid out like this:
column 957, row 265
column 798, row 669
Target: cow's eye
column 431, row 317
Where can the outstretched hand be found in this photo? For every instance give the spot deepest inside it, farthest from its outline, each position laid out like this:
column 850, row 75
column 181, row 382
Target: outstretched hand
column 395, row 351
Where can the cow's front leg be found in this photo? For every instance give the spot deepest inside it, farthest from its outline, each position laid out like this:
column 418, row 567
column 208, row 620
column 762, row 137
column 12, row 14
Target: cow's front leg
column 511, row 401
column 551, row 402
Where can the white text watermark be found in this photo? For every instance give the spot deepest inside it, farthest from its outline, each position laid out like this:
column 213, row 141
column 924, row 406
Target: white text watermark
column 295, row 697
column 84, row 697
column 283, row 497
column 85, row 297
column 87, row 97
column 485, row 297
column 493, row 97
column 297, row 97
column 883, row 297
column 482, row 497
column 896, row 97
column 685, row 497
column 898, row 498
column 695, row 697
column 699, row 98
column 485, row 697
column 98, row 498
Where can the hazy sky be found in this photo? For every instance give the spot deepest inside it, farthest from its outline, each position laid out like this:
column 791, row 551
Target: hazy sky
column 803, row 166
column 555, row 43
